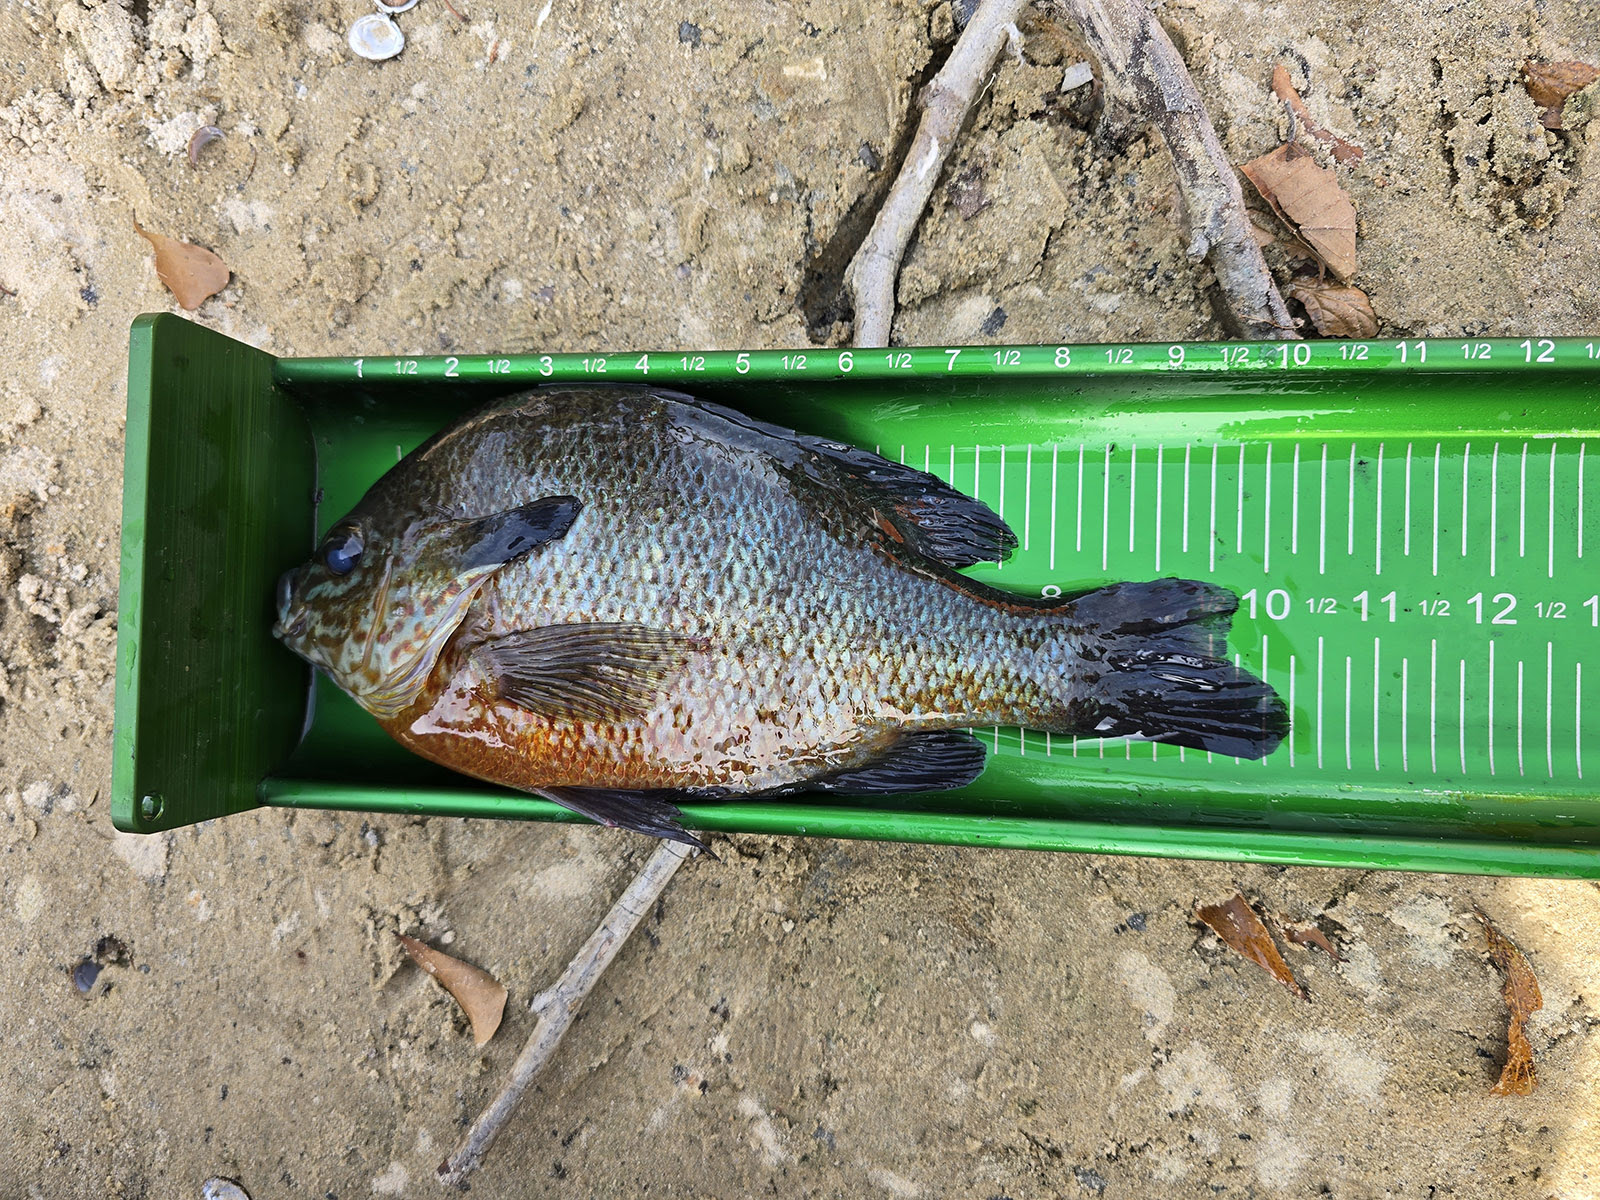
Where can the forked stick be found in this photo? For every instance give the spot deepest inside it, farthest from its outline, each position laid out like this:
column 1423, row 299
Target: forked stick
column 558, row 1006
column 945, row 103
column 1146, row 80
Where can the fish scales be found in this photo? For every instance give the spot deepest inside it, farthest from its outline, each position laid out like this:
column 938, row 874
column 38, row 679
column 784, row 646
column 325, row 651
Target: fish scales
column 634, row 593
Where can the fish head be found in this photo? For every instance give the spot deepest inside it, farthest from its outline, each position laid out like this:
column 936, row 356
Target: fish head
column 386, row 589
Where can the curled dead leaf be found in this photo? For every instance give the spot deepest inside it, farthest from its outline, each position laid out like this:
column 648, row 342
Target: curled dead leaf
column 1522, row 997
column 192, row 273
column 1236, row 923
column 1337, row 310
column 1311, row 201
column 1550, row 83
column 480, row 996
column 1310, row 935
column 1283, row 89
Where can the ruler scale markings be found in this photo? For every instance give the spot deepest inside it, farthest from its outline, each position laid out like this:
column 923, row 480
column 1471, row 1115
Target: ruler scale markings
column 1001, row 508
column 902, row 455
column 1461, row 717
column 1350, row 508
column 1027, row 492
column 1291, row 713
column 1348, row 764
column 1212, row 540
column 1577, row 724
column 1491, row 706
column 1322, row 525
column 1437, row 452
column 1055, row 510
column 1405, row 716
column 1377, row 709
column 1377, row 520
column 977, row 468
column 1405, row 547
column 1466, row 457
column 1549, row 709
column 1078, row 516
column 1047, row 743
column 1294, row 503
column 1238, row 534
column 1433, row 705
column 1160, row 449
column 1238, row 664
column 927, row 458
column 1105, row 511
column 1522, row 506
column 1186, row 449
column 1582, row 512
column 1266, row 518
column 1494, row 507
column 951, row 480
column 1520, row 767
column 1022, row 743
column 1550, row 519
column 1318, row 725
column 1133, row 492
column 1264, row 652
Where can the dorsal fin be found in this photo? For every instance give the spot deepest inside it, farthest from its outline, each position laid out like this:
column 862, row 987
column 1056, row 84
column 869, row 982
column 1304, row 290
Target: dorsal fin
column 920, row 510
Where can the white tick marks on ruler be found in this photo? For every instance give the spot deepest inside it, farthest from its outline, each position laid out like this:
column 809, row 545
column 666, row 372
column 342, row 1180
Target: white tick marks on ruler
column 1055, row 455
column 1377, row 709
column 1405, row 544
column 1027, row 495
column 977, row 459
column 1160, row 457
column 1318, row 726
column 1105, row 511
column 1291, row 710
column 1405, row 716
column 1433, row 705
column 1520, row 770
column 1577, row 715
column 1294, row 503
column 1322, row 521
column 1582, row 512
column 1377, row 520
column 1238, row 533
column 1437, row 452
column 1133, row 492
column 1550, row 555
column 1266, row 518
column 1348, row 680
column 1466, row 476
column 1264, row 660
column 1461, row 717
column 1494, row 507
column 1549, row 709
column 1350, row 508
column 1490, row 691
column 1186, row 449
column 1522, row 506
column 1211, row 538
column 1001, row 507
column 1078, row 510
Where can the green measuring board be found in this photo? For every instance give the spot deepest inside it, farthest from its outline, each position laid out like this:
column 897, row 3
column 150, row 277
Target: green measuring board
column 1410, row 528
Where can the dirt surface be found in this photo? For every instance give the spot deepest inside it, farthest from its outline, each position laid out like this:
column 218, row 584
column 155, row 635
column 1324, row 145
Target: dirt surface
column 802, row 1018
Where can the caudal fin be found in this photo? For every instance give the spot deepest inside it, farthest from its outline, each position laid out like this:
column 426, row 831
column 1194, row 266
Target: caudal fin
column 1163, row 672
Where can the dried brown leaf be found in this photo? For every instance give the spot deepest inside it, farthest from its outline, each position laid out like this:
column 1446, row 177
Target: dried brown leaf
column 1549, row 84
column 1343, row 151
column 1521, row 992
column 1337, row 310
column 1310, row 200
column 192, row 273
column 480, row 996
column 1310, row 935
column 1236, row 924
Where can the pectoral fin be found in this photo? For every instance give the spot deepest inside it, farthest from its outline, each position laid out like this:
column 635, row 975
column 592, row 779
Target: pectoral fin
column 651, row 813
column 584, row 671
column 495, row 540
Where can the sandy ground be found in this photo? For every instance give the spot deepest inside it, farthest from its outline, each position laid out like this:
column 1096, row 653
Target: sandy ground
column 802, row 1018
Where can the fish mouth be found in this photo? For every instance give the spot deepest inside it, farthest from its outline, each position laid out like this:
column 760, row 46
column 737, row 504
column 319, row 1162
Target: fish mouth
column 290, row 624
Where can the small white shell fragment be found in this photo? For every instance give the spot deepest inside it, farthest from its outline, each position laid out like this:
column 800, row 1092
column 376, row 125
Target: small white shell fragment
column 1078, row 74
column 218, row 1188
column 376, row 37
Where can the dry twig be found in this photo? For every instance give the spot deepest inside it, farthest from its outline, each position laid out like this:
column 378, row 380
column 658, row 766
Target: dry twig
column 1146, row 81
column 558, row 1006
column 945, row 104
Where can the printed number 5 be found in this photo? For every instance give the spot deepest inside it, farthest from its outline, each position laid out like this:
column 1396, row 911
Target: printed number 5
column 742, row 364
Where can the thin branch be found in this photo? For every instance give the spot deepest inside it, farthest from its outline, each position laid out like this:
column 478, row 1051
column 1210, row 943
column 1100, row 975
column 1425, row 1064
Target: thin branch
column 1146, row 81
column 558, row 1006
column 945, row 104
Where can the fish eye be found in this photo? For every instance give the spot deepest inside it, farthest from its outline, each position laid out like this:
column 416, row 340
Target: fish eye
column 342, row 551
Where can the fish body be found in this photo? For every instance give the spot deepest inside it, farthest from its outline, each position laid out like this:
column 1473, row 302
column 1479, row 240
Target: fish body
column 618, row 598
